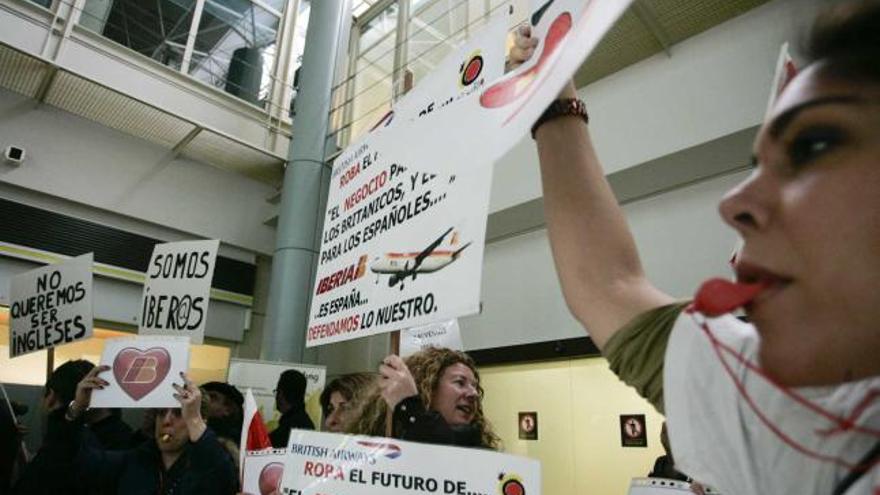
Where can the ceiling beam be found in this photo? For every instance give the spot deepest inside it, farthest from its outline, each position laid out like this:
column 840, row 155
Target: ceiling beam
column 646, row 15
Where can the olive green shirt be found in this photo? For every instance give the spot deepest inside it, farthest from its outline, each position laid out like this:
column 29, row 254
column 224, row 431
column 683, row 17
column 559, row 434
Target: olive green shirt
column 636, row 351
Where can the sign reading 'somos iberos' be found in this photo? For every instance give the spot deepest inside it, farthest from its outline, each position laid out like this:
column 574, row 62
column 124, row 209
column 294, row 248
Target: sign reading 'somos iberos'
column 177, row 289
column 51, row 306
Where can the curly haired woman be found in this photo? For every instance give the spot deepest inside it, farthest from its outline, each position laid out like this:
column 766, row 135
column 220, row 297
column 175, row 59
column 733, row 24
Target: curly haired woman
column 436, row 398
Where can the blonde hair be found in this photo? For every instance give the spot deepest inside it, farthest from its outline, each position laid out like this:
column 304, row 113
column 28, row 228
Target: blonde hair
column 356, row 388
column 427, row 367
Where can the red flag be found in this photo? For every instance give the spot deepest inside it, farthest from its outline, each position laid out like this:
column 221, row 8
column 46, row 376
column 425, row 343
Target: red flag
column 253, row 432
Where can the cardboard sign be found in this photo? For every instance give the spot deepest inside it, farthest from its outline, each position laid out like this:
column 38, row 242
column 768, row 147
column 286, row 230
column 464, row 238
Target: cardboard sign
column 632, row 430
column 402, row 248
column 331, row 463
column 262, row 376
column 142, row 370
column 51, row 306
column 441, row 334
column 263, row 471
column 177, row 289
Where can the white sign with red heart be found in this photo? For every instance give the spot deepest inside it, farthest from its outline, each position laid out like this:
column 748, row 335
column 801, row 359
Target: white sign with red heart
column 142, row 370
column 263, row 471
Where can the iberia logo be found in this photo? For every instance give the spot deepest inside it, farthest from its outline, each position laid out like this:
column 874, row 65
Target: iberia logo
column 389, row 450
column 471, row 69
column 510, row 484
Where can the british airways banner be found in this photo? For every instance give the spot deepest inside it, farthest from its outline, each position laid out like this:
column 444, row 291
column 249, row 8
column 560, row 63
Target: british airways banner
column 331, row 463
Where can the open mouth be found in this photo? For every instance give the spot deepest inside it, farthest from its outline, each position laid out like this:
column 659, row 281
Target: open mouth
column 466, row 409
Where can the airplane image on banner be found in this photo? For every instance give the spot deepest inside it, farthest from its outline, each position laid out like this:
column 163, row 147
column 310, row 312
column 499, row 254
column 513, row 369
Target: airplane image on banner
column 429, row 260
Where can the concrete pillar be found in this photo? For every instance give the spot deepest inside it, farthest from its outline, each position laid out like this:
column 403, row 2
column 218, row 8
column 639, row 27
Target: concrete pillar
column 306, row 177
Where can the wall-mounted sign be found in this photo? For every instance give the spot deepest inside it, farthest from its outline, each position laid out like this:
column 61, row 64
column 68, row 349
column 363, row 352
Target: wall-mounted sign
column 528, row 425
column 632, row 430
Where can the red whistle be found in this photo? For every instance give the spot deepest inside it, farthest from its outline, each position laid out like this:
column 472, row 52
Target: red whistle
column 718, row 296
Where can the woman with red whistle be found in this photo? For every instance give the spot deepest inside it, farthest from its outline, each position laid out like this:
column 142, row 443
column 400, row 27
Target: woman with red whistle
column 790, row 403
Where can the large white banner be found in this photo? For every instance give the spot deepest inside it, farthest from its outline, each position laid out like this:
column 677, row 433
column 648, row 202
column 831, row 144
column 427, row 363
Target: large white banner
column 399, row 247
column 51, row 306
column 330, row 463
column 262, row 376
column 177, row 289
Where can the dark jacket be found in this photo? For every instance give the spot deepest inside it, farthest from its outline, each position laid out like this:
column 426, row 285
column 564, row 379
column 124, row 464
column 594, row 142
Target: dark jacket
column 294, row 418
column 203, row 467
column 664, row 467
column 113, row 433
column 414, row 423
column 52, row 470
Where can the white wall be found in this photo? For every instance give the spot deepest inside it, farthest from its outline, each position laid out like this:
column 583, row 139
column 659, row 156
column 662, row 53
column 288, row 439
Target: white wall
column 681, row 238
column 81, row 161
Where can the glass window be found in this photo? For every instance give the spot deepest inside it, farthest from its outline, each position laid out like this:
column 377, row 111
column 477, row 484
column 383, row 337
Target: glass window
column 299, row 46
column 374, row 66
column 437, row 27
column 235, row 48
column 158, row 30
column 43, row 3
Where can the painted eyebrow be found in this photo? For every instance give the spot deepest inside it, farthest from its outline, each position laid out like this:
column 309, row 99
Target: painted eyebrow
column 783, row 120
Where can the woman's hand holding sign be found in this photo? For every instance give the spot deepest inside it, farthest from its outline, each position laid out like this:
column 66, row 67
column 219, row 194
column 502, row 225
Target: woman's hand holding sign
column 190, row 398
column 83, row 397
column 397, row 382
column 523, row 49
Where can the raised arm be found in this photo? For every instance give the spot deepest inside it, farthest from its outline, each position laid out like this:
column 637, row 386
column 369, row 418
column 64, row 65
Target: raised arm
column 594, row 252
column 595, row 255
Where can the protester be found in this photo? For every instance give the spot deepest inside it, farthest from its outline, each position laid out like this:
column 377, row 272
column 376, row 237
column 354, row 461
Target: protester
column 52, row 470
column 342, row 400
column 436, row 398
column 225, row 409
column 183, row 458
column 290, row 401
column 739, row 415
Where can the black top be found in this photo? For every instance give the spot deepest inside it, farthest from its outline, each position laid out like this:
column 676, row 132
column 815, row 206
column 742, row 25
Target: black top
column 414, row 423
column 294, row 418
column 113, row 433
column 664, row 467
column 203, row 467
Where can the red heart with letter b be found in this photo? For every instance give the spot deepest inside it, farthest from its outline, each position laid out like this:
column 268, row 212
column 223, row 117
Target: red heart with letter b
column 139, row 372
